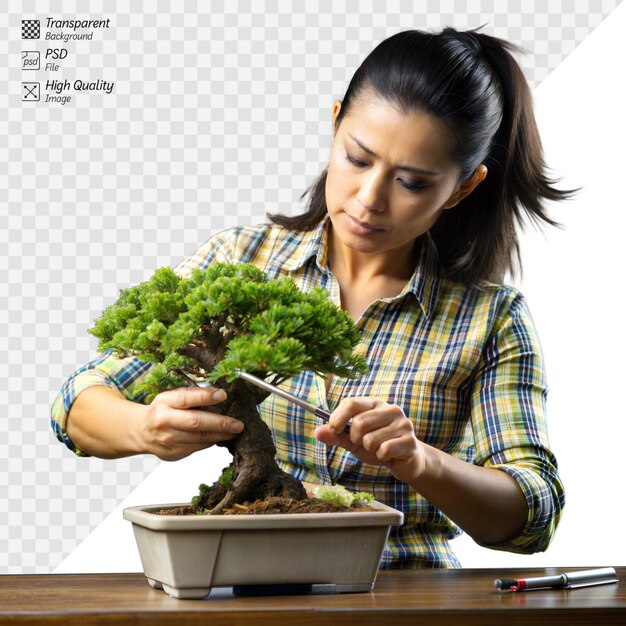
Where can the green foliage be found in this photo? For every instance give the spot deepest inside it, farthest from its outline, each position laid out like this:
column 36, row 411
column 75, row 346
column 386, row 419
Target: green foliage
column 157, row 380
column 340, row 496
column 227, row 476
column 240, row 318
column 196, row 501
column 139, row 318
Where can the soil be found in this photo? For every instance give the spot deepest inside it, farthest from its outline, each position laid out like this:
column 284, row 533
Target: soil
column 274, row 504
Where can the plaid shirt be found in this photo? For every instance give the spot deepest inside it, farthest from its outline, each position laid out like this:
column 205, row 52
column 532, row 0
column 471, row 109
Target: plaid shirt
column 464, row 363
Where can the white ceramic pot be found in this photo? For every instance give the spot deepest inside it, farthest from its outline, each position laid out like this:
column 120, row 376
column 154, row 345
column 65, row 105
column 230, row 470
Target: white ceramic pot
column 188, row 555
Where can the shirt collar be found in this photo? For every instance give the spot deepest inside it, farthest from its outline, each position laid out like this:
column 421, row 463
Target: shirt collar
column 312, row 243
column 423, row 284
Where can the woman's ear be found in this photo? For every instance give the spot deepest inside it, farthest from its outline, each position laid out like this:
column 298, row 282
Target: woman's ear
column 480, row 173
column 336, row 109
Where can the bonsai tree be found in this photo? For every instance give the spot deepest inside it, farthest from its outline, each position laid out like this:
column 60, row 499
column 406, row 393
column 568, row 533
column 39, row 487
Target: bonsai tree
column 225, row 318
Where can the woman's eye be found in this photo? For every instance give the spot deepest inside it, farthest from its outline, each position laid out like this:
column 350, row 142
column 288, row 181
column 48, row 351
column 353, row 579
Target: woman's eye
column 415, row 187
column 412, row 187
column 355, row 161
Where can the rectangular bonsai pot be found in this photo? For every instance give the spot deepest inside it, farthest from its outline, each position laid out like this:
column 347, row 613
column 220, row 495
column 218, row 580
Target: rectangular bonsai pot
column 188, row 555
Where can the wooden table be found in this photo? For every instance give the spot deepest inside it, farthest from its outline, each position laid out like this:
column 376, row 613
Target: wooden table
column 416, row 597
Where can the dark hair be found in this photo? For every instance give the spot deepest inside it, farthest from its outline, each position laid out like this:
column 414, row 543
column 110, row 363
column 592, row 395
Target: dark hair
column 473, row 84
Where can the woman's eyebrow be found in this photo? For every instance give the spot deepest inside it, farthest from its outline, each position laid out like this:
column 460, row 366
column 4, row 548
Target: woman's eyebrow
column 408, row 168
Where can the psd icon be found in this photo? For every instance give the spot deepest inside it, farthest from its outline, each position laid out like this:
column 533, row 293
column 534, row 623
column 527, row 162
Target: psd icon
column 30, row 29
column 30, row 59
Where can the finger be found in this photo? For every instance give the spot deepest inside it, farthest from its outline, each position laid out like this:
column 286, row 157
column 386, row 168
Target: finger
column 197, row 421
column 386, row 418
column 180, row 451
column 187, row 397
column 383, row 416
column 373, row 440
column 348, row 408
column 327, row 435
column 369, row 421
column 398, row 449
column 172, row 440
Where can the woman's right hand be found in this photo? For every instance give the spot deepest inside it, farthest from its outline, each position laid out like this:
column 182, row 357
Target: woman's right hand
column 174, row 428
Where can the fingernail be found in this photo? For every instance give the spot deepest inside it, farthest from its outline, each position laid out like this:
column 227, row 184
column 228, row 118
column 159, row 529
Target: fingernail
column 236, row 427
column 219, row 395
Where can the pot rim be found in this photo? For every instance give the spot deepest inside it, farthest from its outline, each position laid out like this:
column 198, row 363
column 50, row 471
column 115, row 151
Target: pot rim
column 143, row 515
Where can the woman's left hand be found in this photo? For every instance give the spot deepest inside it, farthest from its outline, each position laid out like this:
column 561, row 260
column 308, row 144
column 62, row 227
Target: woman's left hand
column 380, row 434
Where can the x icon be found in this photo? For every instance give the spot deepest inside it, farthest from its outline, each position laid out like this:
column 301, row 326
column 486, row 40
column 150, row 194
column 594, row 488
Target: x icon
column 31, row 91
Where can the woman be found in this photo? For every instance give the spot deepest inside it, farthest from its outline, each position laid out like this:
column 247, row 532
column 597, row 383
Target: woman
column 435, row 161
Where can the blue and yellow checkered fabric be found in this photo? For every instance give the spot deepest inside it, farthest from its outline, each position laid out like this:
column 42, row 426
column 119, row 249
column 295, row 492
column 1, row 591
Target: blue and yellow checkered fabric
column 464, row 363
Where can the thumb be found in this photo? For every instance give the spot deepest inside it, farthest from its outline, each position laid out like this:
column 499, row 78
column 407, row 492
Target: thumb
column 187, row 397
column 327, row 435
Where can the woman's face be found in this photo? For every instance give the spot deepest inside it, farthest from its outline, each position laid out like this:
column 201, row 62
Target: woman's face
column 389, row 176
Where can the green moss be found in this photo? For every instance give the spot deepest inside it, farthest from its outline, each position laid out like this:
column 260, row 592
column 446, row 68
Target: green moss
column 364, row 496
column 340, row 496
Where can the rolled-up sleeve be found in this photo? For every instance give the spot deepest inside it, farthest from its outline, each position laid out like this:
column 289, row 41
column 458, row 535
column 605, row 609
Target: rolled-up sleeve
column 120, row 374
column 124, row 374
column 508, row 409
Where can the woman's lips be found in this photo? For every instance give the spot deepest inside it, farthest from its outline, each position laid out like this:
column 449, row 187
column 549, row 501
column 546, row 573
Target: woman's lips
column 361, row 228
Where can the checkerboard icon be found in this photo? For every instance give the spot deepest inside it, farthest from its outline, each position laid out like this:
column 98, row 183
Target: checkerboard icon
column 30, row 29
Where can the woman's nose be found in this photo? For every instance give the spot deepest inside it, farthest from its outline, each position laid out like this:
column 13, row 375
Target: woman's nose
column 372, row 194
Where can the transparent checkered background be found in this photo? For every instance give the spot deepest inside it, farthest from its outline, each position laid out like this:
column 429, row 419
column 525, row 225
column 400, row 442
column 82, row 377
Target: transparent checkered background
column 216, row 117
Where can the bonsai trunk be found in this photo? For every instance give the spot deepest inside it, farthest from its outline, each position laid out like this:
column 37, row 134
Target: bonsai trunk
column 256, row 474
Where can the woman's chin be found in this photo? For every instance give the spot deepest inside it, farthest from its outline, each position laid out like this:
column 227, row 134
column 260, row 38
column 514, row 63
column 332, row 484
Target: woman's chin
column 355, row 240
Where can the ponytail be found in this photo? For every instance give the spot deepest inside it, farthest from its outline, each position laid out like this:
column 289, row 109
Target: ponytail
column 473, row 84
column 479, row 238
